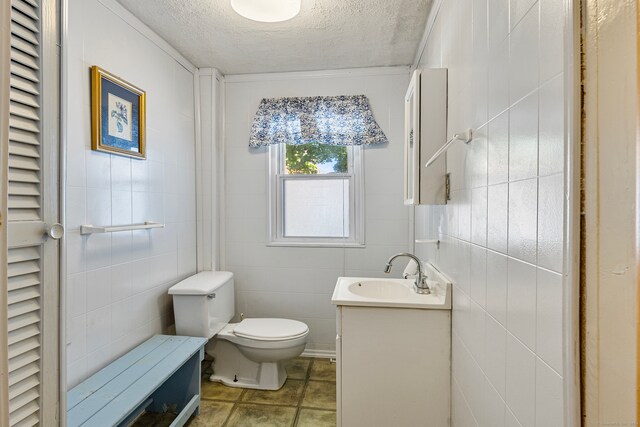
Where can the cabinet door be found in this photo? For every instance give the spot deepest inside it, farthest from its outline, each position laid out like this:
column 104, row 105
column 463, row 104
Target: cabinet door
column 395, row 368
column 412, row 140
column 433, row 134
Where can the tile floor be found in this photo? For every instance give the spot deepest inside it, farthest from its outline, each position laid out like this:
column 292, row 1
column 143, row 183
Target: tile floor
column 307, row 399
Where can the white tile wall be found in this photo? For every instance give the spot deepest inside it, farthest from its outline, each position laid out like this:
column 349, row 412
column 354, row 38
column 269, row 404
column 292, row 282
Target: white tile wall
column 298, row 282
column 116, row 284
column 502, row 234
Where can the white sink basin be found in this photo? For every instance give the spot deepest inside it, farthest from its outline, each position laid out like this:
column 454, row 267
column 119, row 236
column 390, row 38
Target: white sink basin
column 380, row 289
column 398, row 293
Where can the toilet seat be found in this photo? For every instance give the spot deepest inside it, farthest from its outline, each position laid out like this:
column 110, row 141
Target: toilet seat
column 264, row 329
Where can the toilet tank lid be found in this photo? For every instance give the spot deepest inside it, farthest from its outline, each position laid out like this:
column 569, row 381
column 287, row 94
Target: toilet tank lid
column 202, row 283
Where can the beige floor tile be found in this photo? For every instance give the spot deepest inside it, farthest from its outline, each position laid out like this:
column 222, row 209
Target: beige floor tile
column 248, row 415
column 320, row 394
column 212, row 414
column 297, row 368
column 288, row 395
column 219, row 391
column 316, row 418
column 323, row 370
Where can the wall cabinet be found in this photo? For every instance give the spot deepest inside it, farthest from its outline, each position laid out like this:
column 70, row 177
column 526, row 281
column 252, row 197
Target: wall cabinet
column 393, row 366
column 425, row 132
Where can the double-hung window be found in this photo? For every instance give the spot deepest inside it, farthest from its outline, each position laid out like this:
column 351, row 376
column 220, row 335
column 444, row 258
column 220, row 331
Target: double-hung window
column 316, row 195
column 315, row 167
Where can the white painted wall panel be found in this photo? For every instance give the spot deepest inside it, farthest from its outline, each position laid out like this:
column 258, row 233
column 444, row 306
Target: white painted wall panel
column 298, row 282
column 117, row 283
column 502, row 233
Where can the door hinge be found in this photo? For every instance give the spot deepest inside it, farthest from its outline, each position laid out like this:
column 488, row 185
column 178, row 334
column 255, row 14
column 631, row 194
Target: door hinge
column 447, row 187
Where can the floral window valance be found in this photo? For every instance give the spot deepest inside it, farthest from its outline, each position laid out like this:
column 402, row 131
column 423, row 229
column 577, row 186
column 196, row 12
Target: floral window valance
column 332, row 120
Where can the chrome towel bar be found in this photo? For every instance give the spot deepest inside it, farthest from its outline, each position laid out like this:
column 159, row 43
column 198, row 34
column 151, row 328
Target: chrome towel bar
column 92, row 229
column 465, row 137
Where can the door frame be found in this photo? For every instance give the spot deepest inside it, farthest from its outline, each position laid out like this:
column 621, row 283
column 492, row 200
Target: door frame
column 52, row 209
column 572, row 181
column 5, row 55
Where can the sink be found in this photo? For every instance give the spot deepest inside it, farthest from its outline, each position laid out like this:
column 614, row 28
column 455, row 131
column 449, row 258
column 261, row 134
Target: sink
column 393, row 293
column 379, row 289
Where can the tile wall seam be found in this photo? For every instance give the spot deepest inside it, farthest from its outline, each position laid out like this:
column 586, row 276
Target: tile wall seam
column 502, row 253
column 484, row 374
column 466, row 402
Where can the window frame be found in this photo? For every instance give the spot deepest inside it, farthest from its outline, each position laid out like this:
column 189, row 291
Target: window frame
column 277, row 179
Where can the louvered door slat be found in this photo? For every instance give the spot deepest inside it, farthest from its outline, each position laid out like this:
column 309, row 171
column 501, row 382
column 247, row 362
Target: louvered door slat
column 24, row 98
column 26, row 189
column 23, row 124
column 23, row 267
column 22, row 413
column 24, row 137
column 25, row 85
column 19, row 175
column 23, row 202
column 28, row 8
column 24, row 399
column 24, row 59
column 21, row 162
column 23, row 373
column 24, row 110
column 30, row 421
column 21, row 308
column 15, row 283
column 20, row 215
column 24, row 320
column 23, row 72
column 24, row 150
column 18, row 349
column 27, row 358
column 26, row 300
column 24, row 294
column 25, row 34
column 23, row 254
column 23, row 20
column 24, row 47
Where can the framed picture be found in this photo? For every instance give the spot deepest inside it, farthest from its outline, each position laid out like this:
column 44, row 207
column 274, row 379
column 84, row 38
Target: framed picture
column 117, row 115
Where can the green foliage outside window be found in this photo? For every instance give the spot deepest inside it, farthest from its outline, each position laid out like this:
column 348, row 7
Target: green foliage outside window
column 305, row 158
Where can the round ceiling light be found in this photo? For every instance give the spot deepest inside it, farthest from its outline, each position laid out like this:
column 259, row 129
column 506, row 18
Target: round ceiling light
column 267, row 10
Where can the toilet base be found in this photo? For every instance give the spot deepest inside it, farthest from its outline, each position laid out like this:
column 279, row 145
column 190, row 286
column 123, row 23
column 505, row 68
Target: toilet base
column 233, row 369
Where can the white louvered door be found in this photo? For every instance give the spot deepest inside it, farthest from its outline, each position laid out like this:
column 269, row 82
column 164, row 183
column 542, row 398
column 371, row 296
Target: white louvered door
column 32, row 269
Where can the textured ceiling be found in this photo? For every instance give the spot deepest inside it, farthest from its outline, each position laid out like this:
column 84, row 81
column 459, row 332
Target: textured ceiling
column 327, row 34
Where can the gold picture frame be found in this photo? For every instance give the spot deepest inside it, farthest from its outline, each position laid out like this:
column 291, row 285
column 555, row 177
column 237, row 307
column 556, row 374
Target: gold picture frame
column 118, row 115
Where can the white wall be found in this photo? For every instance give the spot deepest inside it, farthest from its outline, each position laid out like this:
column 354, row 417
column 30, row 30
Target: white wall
column 296, row 282
column 117, row 283
column 502, row 232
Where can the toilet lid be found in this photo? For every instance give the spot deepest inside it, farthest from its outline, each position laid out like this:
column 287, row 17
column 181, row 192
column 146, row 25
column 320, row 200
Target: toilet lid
column 270, row 329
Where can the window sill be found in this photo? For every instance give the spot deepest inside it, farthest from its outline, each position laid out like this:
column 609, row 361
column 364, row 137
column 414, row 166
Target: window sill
column 316, row 244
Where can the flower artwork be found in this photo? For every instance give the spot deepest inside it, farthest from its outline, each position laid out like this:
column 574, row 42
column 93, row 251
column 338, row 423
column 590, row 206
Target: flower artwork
column 118, row 115
column 119, row 118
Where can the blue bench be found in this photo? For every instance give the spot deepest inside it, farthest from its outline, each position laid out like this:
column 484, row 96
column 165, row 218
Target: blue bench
column 160, row 375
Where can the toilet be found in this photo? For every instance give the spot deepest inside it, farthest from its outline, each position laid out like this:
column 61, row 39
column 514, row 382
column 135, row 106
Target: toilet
column 248, row 354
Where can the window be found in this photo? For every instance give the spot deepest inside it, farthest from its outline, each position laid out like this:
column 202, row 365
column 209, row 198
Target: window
column 316, row 196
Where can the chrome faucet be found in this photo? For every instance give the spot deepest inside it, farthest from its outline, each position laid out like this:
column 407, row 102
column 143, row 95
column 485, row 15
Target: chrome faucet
column 420, row 286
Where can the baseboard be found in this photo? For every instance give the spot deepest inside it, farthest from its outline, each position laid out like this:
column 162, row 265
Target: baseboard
column 320, row 354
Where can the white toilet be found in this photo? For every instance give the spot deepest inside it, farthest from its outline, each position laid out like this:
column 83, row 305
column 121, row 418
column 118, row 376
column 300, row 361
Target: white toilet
column 249, row 354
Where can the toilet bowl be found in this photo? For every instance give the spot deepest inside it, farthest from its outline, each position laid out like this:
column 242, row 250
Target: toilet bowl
column 248, row 354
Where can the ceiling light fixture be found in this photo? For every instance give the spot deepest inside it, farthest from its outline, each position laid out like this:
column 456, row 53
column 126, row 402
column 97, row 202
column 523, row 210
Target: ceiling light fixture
column 267, row 10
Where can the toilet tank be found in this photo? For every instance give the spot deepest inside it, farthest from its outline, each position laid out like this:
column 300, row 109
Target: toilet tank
column 203, row 303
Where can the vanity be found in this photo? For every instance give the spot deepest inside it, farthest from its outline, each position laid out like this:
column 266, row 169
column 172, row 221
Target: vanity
column 393, row 350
